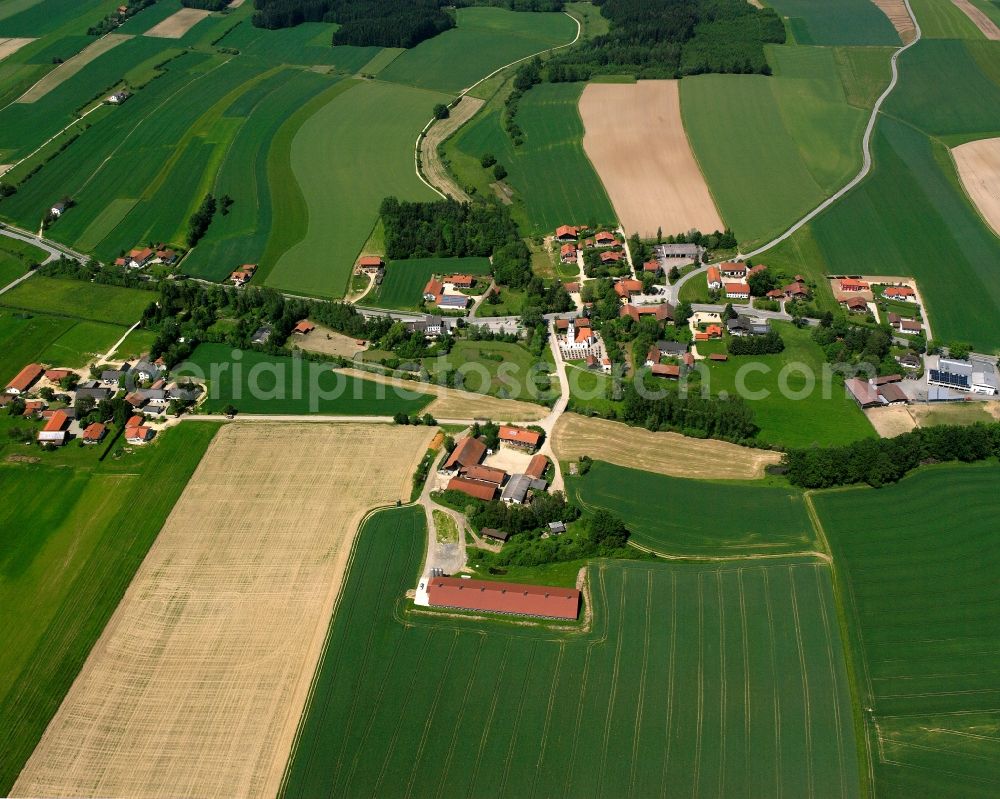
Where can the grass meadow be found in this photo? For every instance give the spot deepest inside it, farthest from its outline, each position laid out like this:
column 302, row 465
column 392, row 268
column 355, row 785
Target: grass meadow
column 367, row 130
column 794, row 137
column 554, row 182
column 283, row 389
column 943, row 21
column 71, row 541
column 16, row 257
column 95, row 302
column 485, row 39
column 403, row 285
column 694, row 679
column 733, row 519
column 500, row 368
column 917, row 565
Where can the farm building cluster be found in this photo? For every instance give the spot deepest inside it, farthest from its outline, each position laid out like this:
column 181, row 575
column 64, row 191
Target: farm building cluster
column 897, row 298
column 449, row 292
column 75, row 406
column 469, row 470
column 141, row 257
column 733, row 280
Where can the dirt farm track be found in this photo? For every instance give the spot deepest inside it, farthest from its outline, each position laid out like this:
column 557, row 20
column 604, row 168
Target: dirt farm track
column 646, row 163
column 197, row 684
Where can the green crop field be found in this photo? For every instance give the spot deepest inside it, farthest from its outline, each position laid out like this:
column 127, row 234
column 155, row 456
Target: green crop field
column 918, row 222
column 341, row 187
column 940, row 20
column 93, row 301
column 733, row 519
column 793, row 137
column 71, row 541
column 791, row 421
column 710, row 680
column 554, row 182
column 856, row 22
column 485, row 39
column 274, row 384
column 918, row 565
column 404, row 281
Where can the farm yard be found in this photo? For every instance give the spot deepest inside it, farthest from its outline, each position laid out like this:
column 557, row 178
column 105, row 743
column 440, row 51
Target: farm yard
column 661, row 453
column 69, row 553
column 259, row 383
column 673, row 656
column 921, row 602
column 552, row 180
column 403, row 285
column 648, row 169
column 224, row 622
column 734, row 519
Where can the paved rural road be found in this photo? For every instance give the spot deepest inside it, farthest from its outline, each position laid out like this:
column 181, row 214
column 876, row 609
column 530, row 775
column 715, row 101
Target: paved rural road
column 780, row 316
column 432, row 120
column 311, row 417
column 54, row 249
column 674, row 291
column 548, row 424
column 866, row 151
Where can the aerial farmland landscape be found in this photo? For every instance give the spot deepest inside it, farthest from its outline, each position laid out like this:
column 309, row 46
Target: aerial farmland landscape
column 500, row 398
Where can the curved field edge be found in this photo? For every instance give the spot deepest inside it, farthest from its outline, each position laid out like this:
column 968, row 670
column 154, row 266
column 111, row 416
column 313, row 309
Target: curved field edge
column 288, row 203
column 436, row 704
column 61, row 582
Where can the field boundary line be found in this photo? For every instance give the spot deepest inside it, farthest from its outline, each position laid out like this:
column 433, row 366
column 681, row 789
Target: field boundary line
column 670, row 681
column 833, row 679
column 512, row 745
column 722, row 681
column 553, row 688
column 699, row 724
column 866, row 153
column 775, row 693
column 619, row 636
column 642, row 684
column 747, row 693
column 726, row 558
column 803, row 669
column 487, row 724
column 432, row 120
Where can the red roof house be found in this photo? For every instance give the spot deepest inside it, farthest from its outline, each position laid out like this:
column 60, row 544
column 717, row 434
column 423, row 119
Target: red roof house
column 474, row 489
column 25, row 379
column 714, row 277
column 611, row 257
column 566, row 233
column 605, row 239
column 303, row 326
column 484, row 474
column 94, row 433
column 468, row 452
column 738, row 291
column 537, row 466
column 899, row 293
column 668, row 370
column 519, row 437
column 496, row 597
column 567, row 253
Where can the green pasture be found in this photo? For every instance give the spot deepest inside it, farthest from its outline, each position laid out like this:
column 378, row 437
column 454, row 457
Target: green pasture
column 853, row 22
column 307, row 44
column 27, row 337
column 916, row 565
column 917, row 221
column 500, row 368
column 786, row 392
column 553, row 180
column 692, row 679
column 484, row 40
column 957, row 413
column 274, row 384
column 16, row 257
column 78, row 299
column 403, row 285
column 733, row 519
column 345, row 159
column 794, row 137
column 71, row 541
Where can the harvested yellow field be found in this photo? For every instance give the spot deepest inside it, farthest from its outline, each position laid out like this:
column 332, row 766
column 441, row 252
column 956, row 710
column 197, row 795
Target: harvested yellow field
column 663, row 453
column 177, row 24
column 11, row 46
column 71, row 66
column 986, row 25
column 435, row 171
column 900, row 18
column 197, row 684
column 978, row 165
column 635, row 138
column 452, row 403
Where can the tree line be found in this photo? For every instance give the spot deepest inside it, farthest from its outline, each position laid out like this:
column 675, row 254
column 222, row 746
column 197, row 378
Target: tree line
column 380, row 23
column 696, row 416
column 880, row 461
column 671, row 38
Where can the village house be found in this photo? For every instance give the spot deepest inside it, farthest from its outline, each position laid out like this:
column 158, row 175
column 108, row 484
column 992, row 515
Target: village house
column 54, row 431
column 672, row 349
column 303, row 327
column 261, row 334
column 468, row 452
column 25, row 379
column 605, row 239
column 33, row 409
column 567, row 254
column 854, row 304
column 166, row 256
column 94, row 433
column 55, row 375
column 910, row 361
column 145, row 371
column 714, row 278
column 735, row 269
column 903, row 293
column 433, row 290
column 118, row 97
column 474, row 489
column 662, row 312
column 688, row 252
column 484, row 474
column 670, row 371
column 460, row 281
column 652, row 268
column 58, row 209
column 795, row 291
column 139, row 258
column 136, row 432
column 737, row 291
column 747, row 326
column 876, row 393
column 243, row 274
column 626, row 288
column 567, row 233
column 851, row 285
column 519, row 437
column 537, row 466
column 370, row 264
column 709, row 333
column 519, row 487
column 611, row 257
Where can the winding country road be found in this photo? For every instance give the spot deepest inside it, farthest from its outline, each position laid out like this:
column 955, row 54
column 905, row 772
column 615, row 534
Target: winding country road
column 866, row 165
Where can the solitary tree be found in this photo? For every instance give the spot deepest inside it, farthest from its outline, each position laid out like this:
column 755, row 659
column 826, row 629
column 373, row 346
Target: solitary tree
column 441, row 111
column 499, row 172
